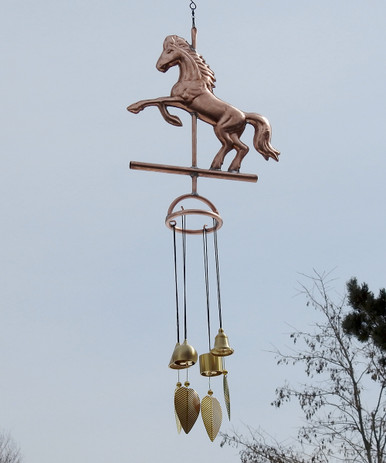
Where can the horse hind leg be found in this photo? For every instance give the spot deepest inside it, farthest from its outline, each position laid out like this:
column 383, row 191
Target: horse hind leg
column 241, row 149
column 227, row 145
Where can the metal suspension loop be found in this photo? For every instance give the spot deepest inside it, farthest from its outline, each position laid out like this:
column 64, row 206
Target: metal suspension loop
column 173, row 214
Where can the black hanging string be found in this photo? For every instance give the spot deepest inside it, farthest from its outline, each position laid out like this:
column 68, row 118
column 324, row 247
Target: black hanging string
column 217, row 272
column 176, row 281
column 184, row 272
column 206, row 273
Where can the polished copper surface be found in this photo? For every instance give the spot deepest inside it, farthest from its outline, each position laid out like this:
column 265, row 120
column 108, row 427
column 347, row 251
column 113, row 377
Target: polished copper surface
column 172, row 214
column 194, row 119
column 194, row 172
column 193, row 92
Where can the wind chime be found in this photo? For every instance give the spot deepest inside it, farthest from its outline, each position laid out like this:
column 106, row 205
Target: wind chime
column 193, row 93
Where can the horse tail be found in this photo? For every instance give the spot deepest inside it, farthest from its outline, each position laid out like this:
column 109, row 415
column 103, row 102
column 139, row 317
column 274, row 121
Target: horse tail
column 262, row 137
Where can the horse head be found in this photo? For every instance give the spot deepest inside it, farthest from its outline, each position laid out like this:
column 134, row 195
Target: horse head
column 171, row 53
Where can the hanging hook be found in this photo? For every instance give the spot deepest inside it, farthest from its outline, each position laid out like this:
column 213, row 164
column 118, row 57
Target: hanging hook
column 193, row 6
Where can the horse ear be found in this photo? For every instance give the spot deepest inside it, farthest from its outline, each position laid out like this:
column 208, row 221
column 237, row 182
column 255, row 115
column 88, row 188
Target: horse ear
column 168, row 39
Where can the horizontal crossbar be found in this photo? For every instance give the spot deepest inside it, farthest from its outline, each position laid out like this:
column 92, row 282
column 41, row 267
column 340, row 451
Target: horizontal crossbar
column 193, row 171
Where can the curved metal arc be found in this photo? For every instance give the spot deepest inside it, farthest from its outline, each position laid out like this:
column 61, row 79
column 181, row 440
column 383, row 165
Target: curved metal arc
column 213, row 212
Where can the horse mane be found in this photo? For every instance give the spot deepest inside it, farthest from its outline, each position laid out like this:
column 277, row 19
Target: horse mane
column 206, row 72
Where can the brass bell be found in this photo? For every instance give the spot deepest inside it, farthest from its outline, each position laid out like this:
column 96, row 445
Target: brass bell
column 184, row 356
column 210, row 365
column 172, row 363
column 221, row 345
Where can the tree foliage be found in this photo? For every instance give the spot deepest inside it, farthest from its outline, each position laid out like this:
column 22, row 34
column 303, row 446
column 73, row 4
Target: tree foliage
column 9, row 452
column 342, row 399
column 367, row 320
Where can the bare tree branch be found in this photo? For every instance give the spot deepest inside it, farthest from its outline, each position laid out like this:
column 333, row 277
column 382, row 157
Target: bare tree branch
column 9, row 452
column 343, row 399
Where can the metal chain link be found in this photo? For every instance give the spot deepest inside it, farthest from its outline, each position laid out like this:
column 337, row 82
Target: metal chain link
column 193, row 6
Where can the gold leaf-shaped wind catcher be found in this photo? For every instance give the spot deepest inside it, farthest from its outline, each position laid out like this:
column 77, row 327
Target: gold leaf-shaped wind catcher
column 187, row 406
column 178, row 423
column 227, row 398
column 211, row 415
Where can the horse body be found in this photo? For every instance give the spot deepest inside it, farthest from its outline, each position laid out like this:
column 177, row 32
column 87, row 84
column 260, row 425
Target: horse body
column 193, row 92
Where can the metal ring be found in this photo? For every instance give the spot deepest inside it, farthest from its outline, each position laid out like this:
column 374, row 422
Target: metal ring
column 171, row 215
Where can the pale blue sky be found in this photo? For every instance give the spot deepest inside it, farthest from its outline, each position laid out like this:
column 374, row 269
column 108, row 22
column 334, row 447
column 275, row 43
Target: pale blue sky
column 87, row 302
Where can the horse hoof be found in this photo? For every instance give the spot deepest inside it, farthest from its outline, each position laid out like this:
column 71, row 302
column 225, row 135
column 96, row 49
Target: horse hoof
column 215, row 168
column 175, row 120
column 134, row 109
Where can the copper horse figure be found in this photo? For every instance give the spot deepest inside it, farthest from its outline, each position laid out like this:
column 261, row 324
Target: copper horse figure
column 193, row 92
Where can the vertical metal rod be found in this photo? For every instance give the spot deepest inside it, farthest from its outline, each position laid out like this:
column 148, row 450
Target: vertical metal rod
column 194, row 37
column 194, row 140
column 194, row 184
column 194, row 125
column 194, row 152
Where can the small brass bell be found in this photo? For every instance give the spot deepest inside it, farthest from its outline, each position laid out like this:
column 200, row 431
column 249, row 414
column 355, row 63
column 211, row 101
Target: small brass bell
column 172, row 363
column 210, row 365
column 221, row 345
column 184, row 356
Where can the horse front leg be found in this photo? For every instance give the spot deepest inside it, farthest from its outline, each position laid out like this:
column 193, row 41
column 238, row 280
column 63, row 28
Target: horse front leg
column 161, row 103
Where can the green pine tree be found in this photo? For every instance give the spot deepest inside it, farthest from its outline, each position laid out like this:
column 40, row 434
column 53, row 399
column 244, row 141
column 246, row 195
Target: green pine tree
column 368, row 317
